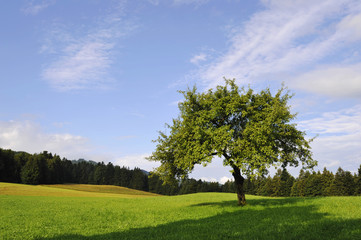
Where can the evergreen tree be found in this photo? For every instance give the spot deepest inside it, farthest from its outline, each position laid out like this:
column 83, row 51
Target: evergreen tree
column 313, row 185
column 7, row 166
column 125, row 177
column 286, row 183
column 249, row 186
column 276, row 184
column 109, row 174
column 343, row 184
column 298, row 188
column 358, row 182
column 295, row 190
column 139, row 180
column 117, row 176
column 99, row 173
column 327, row 180
column 31, row 172
column 20, row 159
column 267, row 187
column 349, row 184
column 229, row 187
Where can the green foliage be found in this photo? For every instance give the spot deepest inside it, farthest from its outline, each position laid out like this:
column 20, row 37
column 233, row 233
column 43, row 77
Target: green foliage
column 358, row 182
column 30, row 174
column 229, row 187
column 250, row 131
column 46, row 168
column 343, row 184
column 286, row 183
column 313, row 185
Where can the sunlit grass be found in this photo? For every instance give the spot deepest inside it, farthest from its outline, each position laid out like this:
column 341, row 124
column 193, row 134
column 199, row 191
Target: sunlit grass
column 102, row 189
column 71, row 190
column 193, row 216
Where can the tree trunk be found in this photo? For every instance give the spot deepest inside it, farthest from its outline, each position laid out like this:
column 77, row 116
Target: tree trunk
column 239, row 180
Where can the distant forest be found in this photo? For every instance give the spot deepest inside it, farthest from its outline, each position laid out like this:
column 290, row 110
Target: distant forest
column 46, row 168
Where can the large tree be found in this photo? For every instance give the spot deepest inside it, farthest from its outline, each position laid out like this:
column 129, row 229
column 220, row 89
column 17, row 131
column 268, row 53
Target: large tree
column 250, row 131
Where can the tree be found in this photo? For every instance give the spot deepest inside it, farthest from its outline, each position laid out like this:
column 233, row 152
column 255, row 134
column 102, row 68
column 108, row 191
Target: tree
column 343, row 184
column 139, row 180
column 249, row 131
column 31, row 172
column 267, row 187
column 327, row 178
column 286, row 183
column 313, row 185
column 7, row 166
column 358, row 182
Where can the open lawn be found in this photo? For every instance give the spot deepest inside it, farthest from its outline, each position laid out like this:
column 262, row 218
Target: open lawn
column 195, row 216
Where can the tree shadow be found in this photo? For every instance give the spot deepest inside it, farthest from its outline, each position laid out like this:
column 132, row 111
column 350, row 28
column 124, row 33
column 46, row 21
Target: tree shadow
column 255, row 202
column 278, row 220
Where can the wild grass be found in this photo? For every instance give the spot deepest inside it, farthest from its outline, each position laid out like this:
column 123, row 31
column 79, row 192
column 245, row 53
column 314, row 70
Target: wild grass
column 102, row 189
column 194, row 216
column 71, row 190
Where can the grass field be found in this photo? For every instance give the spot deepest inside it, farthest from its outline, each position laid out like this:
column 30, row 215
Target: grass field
column 97, row 215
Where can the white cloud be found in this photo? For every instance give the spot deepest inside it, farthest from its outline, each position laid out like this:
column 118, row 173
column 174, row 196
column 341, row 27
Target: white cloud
column 286, row 36
column 82, row 59
column 136, row 160
column 339, row 140
column 196, row 59
column 33, row 8
column 30, row 137
column 205, row 179
column 332, row 81
column 351, row 27
column 224, row 179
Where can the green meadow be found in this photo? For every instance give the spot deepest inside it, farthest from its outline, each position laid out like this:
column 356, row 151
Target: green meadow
column 86, row 212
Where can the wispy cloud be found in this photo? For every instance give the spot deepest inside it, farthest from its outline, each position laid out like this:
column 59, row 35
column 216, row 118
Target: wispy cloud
column 288, row 36
column 196, row 59
column 82, row 65
column 82, row 60
column 339, row 140
column 34, row 7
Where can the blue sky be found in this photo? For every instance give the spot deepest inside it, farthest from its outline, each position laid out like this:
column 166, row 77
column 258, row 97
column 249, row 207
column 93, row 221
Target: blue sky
column 98, row 79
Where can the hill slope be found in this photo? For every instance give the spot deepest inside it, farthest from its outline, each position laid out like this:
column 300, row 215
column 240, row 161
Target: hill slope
column 71, row 190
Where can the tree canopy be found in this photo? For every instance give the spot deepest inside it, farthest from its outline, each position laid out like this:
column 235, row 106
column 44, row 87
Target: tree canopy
column 250, row 131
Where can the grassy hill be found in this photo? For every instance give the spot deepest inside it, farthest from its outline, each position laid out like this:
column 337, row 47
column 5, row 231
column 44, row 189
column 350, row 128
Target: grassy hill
column 193, row 216
column 71, row 190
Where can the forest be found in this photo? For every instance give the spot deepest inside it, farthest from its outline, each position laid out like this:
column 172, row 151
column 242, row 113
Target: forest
column 46, row 168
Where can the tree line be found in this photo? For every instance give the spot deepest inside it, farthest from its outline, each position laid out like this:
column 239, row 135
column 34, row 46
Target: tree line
column 46, row 168
column 307, row 184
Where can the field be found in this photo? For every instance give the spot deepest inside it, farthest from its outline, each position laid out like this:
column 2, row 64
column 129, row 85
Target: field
column 104, row 212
